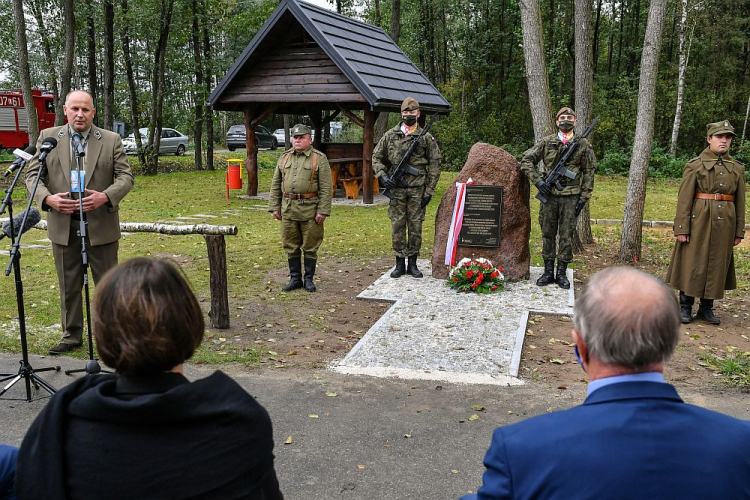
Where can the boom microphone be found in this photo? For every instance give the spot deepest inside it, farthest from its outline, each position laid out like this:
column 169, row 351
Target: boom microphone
column 31, row 221
column 21, row 160
column 48, row 145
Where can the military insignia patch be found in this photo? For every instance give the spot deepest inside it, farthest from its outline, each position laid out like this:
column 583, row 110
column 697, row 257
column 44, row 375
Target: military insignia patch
column 61, row 133
column 726, row 123
column 97, row 134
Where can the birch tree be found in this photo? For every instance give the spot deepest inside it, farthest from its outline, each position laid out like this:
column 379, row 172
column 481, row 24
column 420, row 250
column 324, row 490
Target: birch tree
column 684, row 55
column 632, row 231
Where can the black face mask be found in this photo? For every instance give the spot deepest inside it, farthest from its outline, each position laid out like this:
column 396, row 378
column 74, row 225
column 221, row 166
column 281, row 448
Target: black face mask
column 409, row 119
column 566, row 126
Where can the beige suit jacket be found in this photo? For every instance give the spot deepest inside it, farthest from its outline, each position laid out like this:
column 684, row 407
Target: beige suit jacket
column 107, row 171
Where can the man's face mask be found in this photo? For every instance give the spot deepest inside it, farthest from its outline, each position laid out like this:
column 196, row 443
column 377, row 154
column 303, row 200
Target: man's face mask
column 566, row 125
column 409, row 119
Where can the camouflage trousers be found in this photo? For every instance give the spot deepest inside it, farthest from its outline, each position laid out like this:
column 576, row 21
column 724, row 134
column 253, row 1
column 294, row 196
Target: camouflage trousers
column 557, row 218
column 299, row 236
column 405, row 211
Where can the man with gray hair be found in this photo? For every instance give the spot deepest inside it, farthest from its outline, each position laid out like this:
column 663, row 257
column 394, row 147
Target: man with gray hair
column 633, row 437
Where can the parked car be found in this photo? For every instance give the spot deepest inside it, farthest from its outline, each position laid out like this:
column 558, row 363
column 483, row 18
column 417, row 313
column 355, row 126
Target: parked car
column 279, row 135
column 172, row 142
column 263, row 138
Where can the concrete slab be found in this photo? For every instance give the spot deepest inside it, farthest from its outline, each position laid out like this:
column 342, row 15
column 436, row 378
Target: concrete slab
column 433, row 332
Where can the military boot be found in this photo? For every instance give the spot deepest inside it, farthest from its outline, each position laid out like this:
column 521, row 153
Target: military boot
column 549, row 274
column 412, row 267
column 400, row 268
column 309, row 273
column 686, row 307
column 561, row 278
column 295, row 275
column 706, row 312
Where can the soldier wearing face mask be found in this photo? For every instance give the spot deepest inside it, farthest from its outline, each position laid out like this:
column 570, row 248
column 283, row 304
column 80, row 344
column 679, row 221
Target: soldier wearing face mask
column 407, row 206
column 557, row 217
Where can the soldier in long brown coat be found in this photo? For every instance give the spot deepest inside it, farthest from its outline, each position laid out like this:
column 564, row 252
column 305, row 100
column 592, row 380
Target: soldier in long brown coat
column 710, row 222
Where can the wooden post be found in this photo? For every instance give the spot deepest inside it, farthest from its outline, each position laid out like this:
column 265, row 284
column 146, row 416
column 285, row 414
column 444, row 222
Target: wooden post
column 252, row 153
column 217, row 261
column 368, row 146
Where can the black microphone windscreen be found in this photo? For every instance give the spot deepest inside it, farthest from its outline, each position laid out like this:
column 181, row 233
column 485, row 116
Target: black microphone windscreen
column 32, row 220
column 50, row 142
column 31, row 150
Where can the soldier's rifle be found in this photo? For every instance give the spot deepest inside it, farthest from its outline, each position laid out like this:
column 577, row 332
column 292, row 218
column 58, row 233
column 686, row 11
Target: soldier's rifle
column 554, row 178
column 403, row 166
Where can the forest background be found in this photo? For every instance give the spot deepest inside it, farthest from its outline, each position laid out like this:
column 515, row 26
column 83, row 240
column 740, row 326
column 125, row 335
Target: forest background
column 472, row 50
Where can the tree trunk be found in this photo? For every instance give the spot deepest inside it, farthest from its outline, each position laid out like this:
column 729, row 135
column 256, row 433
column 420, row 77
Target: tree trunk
column 744, row 126
column 683, row 57
column 381, row 124
column 23, row 70
column 91, row 39
column 632, row 231
column 217, row 263
column 69, row 21
column 287, row 139
column 251, row 147
column 157, row 86
column 584, row 84
column 51, row 69
column 125, row 40
column 198, row 96
column 209, row 74
column 109, row 64
column 536, row 68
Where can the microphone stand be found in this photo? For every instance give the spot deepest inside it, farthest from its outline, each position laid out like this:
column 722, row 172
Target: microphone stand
column 92, row 365
column 25, row 371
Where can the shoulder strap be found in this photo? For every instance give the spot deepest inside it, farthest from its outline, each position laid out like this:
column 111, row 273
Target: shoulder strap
column 315, row 167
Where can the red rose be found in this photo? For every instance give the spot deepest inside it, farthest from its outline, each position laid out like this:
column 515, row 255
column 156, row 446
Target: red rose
column 469, row 274
column 455, row 279
column 500, row 268
column 481, row 276
column 474, row 286
column 494, row 274
column 479, row 280
column 494, row 287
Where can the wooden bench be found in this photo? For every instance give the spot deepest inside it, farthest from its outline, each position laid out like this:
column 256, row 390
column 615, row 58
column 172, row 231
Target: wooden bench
column 348, row 173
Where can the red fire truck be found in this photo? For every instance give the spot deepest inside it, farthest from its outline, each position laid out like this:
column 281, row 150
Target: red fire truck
column 14, row 123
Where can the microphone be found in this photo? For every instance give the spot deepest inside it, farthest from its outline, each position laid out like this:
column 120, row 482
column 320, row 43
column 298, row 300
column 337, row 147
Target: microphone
column 32, row 220
column 77, row 146
column 22, row 156
column 48, row 145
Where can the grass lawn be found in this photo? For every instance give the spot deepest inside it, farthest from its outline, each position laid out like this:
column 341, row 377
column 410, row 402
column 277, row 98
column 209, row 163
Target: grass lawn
column 356, row 234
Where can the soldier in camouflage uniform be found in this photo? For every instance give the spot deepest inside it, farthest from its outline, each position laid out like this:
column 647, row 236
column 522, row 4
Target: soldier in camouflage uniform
column 300, row 198
column 408, row 202
column 558, row 216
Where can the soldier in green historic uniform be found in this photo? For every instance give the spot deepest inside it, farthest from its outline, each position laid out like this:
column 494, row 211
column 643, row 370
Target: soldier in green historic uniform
column 409, row 199
column 557, row 217
column 300, row 198
column 709, row 223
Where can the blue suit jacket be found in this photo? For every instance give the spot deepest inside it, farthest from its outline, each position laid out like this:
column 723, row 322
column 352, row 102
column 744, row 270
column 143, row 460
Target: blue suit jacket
column 631, row 440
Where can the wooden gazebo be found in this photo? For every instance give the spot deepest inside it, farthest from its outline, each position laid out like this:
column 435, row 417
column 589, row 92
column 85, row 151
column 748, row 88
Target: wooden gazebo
column 306, row 60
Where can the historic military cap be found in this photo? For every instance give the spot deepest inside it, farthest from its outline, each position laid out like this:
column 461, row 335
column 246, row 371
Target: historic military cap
column 565, row 111
column 300, row 129
column 720, row 128
column 410, row 104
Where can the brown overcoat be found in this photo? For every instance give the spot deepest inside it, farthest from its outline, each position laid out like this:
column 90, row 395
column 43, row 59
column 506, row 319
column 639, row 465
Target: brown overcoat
column 704, row 266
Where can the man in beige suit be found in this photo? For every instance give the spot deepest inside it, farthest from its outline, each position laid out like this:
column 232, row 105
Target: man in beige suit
column 108, row 179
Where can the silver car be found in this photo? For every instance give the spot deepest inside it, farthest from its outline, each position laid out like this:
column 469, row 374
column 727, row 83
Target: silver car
column 171, row 142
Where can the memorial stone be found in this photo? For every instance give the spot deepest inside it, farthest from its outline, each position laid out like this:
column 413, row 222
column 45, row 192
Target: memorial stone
column 488, row 165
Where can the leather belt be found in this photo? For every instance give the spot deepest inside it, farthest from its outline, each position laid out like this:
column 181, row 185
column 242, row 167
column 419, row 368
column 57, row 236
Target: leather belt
column 714, row 196
column 299, row 196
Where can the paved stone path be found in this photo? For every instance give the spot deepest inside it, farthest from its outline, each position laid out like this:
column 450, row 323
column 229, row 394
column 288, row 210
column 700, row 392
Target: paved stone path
column 433, row 332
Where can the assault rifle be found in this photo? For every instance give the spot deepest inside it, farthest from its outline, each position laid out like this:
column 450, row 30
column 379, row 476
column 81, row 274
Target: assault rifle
column 555, row 177
column 403, row 166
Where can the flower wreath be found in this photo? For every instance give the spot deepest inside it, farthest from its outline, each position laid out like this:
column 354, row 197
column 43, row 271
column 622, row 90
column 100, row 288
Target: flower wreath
column 476, row 275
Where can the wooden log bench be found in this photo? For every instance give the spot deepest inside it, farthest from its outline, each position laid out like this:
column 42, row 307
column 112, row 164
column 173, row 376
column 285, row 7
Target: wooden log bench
column 217, row 258
column 347, row 172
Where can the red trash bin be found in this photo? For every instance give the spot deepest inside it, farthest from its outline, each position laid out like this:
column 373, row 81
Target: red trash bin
column 234, row 174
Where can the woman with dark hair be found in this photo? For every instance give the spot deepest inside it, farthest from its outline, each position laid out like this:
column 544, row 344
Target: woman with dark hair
column 148, row 432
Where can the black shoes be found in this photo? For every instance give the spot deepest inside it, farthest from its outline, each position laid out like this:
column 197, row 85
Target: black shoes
column 412, row 268
column 62, row 348
column 400, row 268
column 686, row 308
column 295, row 275
column 309, row 273
column 706, row 312
column 548, row 276
column 561, row 278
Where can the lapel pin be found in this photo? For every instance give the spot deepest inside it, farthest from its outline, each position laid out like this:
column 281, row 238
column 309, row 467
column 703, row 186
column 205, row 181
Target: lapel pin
column 97, row 134
column 61, row 133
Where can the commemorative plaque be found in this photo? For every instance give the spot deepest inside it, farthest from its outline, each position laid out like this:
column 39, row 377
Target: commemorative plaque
column 482, row 216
